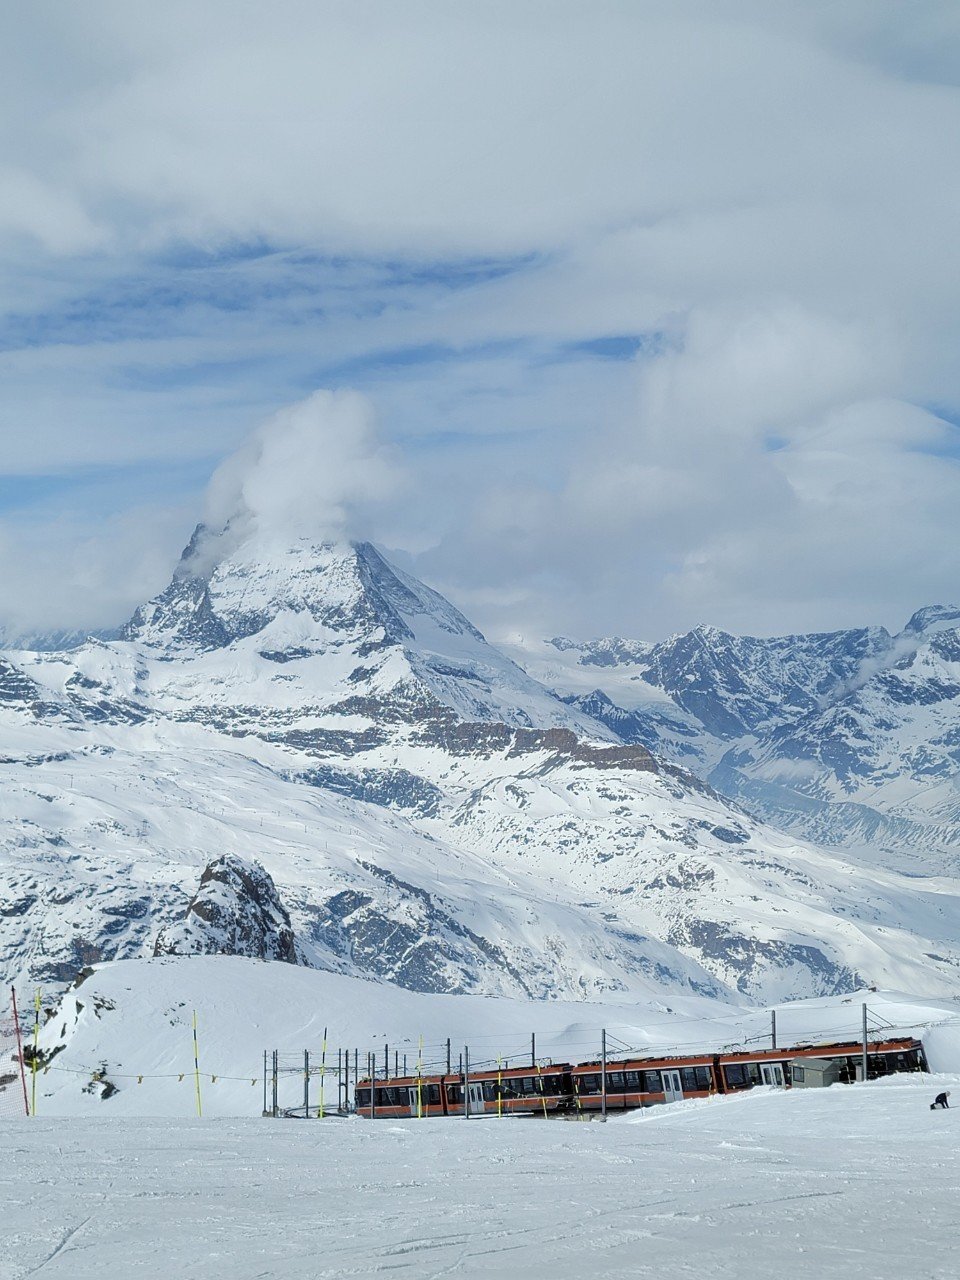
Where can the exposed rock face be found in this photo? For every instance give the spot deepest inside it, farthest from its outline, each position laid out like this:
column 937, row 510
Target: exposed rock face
column 236, row 912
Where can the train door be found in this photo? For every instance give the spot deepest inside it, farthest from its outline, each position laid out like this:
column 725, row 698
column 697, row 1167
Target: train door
column 772, row 1073
column 412, row 1098
column 475, row 1097
column 672, row 1088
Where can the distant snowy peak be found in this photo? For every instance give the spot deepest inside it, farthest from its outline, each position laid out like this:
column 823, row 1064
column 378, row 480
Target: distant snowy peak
column 349, row 628
column 846, row 737
column 734, row 685
column 611, row 651
column 58, row 640
column 934, row 617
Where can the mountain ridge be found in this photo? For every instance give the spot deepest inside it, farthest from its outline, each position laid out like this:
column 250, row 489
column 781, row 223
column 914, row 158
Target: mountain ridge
column 429, row 812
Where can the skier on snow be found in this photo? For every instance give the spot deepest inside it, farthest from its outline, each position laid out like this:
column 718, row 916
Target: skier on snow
column 941, row 1100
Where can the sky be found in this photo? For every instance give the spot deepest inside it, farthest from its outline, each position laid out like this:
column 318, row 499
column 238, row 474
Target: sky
column 606, row 317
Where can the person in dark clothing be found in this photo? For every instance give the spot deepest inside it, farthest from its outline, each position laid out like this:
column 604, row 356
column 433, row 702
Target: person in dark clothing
column 941, row 1100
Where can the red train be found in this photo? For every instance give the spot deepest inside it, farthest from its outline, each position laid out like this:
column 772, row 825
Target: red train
column 630, row 1082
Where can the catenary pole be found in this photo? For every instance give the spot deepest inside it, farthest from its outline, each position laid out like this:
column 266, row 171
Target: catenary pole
column 773, row 1028
column 36, row 1050
column 16, row 1027
column 196, row 1065
column 603, row 1074
column 864, row 1044
column 466, row 1082
column 306, row 1084
column 420, row 1079
column 533, row 1048
column 323, row 1069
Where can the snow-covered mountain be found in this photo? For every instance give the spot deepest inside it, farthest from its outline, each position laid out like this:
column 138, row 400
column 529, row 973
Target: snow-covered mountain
column 423, row 810
column 849, row 739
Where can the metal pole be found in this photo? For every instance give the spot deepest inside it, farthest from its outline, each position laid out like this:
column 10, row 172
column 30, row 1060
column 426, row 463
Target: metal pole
column 306, row 1084
column 264, row 1082
column 396, row 1062
column 864, row 1044
column 404, row 1065
column 276, row 1106
column 533, row 1048
column 773, row 1028
column 448, row 1055
column 323, row 1072
column 196, row 1066
column 36, row 1053
column 603, row 1075
column 386, row 1061
column 466, row 1083
column 372, row 1066
column 23, row 1074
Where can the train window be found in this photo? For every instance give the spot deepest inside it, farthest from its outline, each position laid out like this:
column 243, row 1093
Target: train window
column 736, row 1075
column 363, row 1097
column 552, row 1085
column 615, row 1081
column 432, row 1092
column 383, row 1098
column 797, row 1073
column 590, row 1083
column 688, row 1076
column 529, row 1085
column 454, row 1093
column 633, row 1081
column 652, row 1082
column 489, row 1090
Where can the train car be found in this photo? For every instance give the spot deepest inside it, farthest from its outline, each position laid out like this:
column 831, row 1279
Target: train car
column 401, row 1097
column 630, row 1083
column 644, row 1082
column 778, row 1067
column 504, row 1091
column 536, row 1091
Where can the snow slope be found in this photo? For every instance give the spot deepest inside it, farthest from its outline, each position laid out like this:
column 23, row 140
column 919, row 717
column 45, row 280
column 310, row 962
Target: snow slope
column 847, row 1182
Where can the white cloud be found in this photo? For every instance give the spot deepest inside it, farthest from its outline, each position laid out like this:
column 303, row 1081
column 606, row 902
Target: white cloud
column 67, row 571
column 772, row 188
column 317, row 467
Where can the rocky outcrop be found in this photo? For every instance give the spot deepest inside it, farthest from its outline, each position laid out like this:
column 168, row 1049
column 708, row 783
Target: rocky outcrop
column 235, row 912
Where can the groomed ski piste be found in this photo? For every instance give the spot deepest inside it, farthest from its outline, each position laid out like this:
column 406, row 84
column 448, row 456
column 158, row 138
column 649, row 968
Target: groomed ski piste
column 797, row 1183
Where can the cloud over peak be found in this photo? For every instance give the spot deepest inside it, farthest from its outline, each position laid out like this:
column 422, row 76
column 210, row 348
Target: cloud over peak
column 316, row 468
